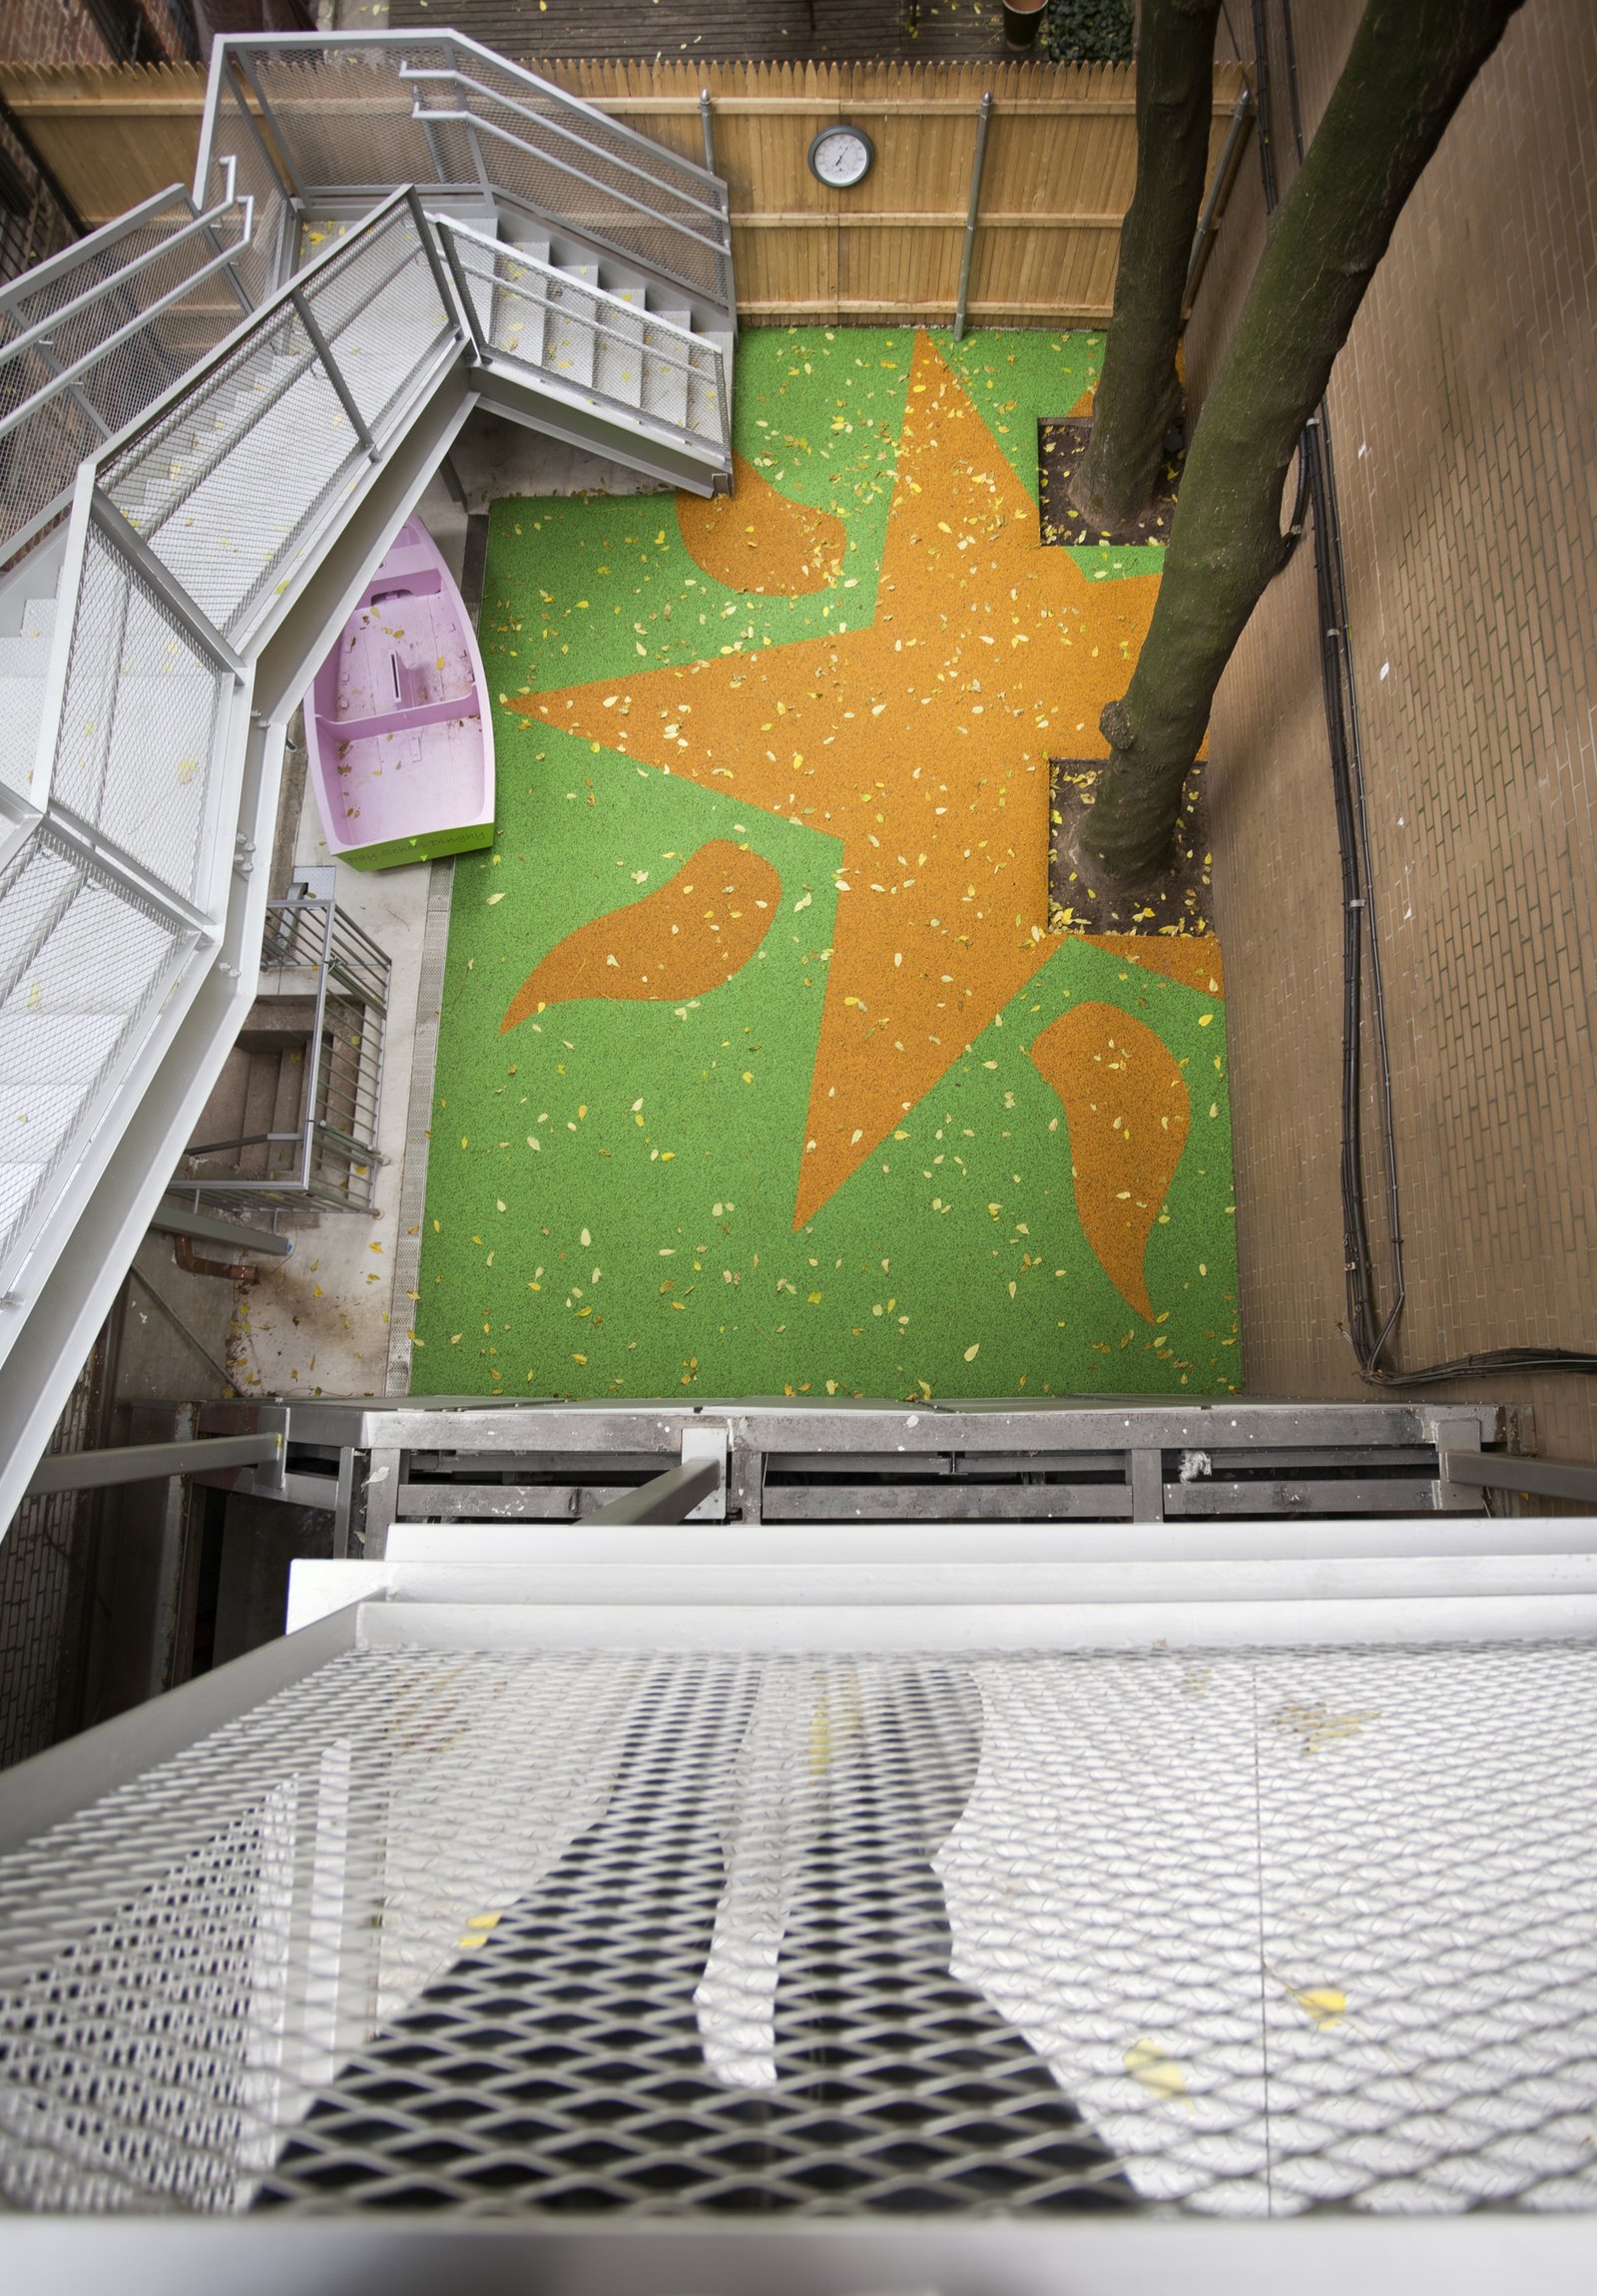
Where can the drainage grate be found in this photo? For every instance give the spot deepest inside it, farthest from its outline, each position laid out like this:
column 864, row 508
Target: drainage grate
column 670, row 1935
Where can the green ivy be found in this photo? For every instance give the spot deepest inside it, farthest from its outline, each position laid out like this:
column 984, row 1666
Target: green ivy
column 1089, row 31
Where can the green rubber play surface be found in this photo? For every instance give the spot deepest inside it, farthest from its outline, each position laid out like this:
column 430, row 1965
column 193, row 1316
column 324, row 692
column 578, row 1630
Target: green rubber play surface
column 760, row 1070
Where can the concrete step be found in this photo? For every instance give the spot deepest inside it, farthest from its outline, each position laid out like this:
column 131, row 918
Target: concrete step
column 570, row 339
column 277, row 1022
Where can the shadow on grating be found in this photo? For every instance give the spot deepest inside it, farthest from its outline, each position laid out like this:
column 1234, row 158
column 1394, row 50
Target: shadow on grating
column 564, row 2063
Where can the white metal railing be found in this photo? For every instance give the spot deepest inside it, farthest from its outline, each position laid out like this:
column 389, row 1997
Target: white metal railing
column 135, row 752
column 185, row 534
column 354, row 115
column 587, row 343
column 90, row 338
column 322, row 1151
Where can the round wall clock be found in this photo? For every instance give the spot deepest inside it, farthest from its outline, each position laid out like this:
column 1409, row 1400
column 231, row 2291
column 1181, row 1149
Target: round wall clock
column 841, row 157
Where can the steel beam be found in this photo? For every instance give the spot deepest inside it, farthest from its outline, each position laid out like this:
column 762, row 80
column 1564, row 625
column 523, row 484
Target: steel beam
column 1540, row 1477
column 203, row 1227
column 151, row 1462
column 668, row 1498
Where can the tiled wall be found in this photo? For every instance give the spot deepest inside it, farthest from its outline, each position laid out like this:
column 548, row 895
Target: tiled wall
column 1464, row 418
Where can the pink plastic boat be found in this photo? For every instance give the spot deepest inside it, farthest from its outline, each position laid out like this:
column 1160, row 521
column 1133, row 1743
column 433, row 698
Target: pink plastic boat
column 397, row 727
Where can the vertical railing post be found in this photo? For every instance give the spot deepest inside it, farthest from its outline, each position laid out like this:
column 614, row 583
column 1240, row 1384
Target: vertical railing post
column 977, row 163
column 429, row 247
column 722, row 259
column 246, row 66
column 457, row 271
column 324, row 352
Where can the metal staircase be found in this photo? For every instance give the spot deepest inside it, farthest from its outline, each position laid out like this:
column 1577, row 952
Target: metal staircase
column 409, row 227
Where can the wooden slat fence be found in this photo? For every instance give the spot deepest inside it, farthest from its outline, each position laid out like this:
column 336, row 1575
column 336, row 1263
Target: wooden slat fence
column 1060, row 170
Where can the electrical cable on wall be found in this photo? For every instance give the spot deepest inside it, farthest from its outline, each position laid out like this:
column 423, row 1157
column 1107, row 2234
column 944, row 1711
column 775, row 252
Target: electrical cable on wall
column 1370, row 1333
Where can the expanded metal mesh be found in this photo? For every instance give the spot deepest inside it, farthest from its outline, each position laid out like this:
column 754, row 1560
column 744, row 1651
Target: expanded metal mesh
column 356, row 120
column 343, row 116
column 237, row 135
column 499, row 1932
column 85, row 962
column 381, row 313
column 138, row 753
column 39, row 458
column 232, row 486
column 540, row 318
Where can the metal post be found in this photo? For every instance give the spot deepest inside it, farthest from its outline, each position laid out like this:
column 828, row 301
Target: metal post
column 1145, row 1480
column 377, row 1501
column 668, row 1498
column 977, row 163
column 706, row 124
column 457, row 272
column 1219, row 192
column 152, row 1462
column 429, row 247
column 324, row 352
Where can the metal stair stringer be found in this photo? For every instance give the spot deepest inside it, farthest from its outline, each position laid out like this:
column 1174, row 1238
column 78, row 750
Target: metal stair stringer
column 117, row 1186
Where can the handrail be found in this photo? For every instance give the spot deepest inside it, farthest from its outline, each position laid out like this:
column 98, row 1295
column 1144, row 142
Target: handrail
column 64, row 312
column 65, row 394
column 716, row 246
column 64, row 376
column 275, row 308
column 507, row 252
column 543, row 119
column 97, row 243
column 446, row 36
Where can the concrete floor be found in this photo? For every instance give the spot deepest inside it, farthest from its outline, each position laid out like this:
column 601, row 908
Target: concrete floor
column 324, row 1321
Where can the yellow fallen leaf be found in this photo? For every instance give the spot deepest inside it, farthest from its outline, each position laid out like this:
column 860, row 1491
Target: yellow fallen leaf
column 1159, row 2073
column 971, row 1353
column 1327, row 2004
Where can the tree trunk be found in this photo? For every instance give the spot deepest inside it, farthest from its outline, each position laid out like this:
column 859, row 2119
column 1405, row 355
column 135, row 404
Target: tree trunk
column 1410, row 64
column 1138, row 395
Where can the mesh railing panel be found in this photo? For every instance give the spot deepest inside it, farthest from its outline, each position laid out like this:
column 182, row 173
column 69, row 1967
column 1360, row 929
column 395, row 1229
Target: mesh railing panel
column 237, row 135
column 635, row 168
column 83, row 965
column 138, row 751
column 1247, row 1931
column 346, row 118
column 39, row 459
column 232, row 484
column 345, row 115
column 529, row 161
column 381, row 313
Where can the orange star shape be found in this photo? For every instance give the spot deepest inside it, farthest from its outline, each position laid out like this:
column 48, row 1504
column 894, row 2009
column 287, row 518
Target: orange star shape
column 920, row 741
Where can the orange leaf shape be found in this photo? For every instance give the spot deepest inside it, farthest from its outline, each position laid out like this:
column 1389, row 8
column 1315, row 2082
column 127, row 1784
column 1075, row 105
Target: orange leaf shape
column 1193, row 959
column 685, row 939
column 1126, row 1103
column 756, row 539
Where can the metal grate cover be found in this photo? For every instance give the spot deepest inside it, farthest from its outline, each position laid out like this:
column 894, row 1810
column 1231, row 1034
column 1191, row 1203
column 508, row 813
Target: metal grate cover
column 578, row 1932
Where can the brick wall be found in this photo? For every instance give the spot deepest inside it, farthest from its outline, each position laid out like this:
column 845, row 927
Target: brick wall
column 1464, row 418
column 64, row 32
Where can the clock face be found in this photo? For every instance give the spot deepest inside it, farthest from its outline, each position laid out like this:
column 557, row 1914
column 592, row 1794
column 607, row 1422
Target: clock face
column 840, row 156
